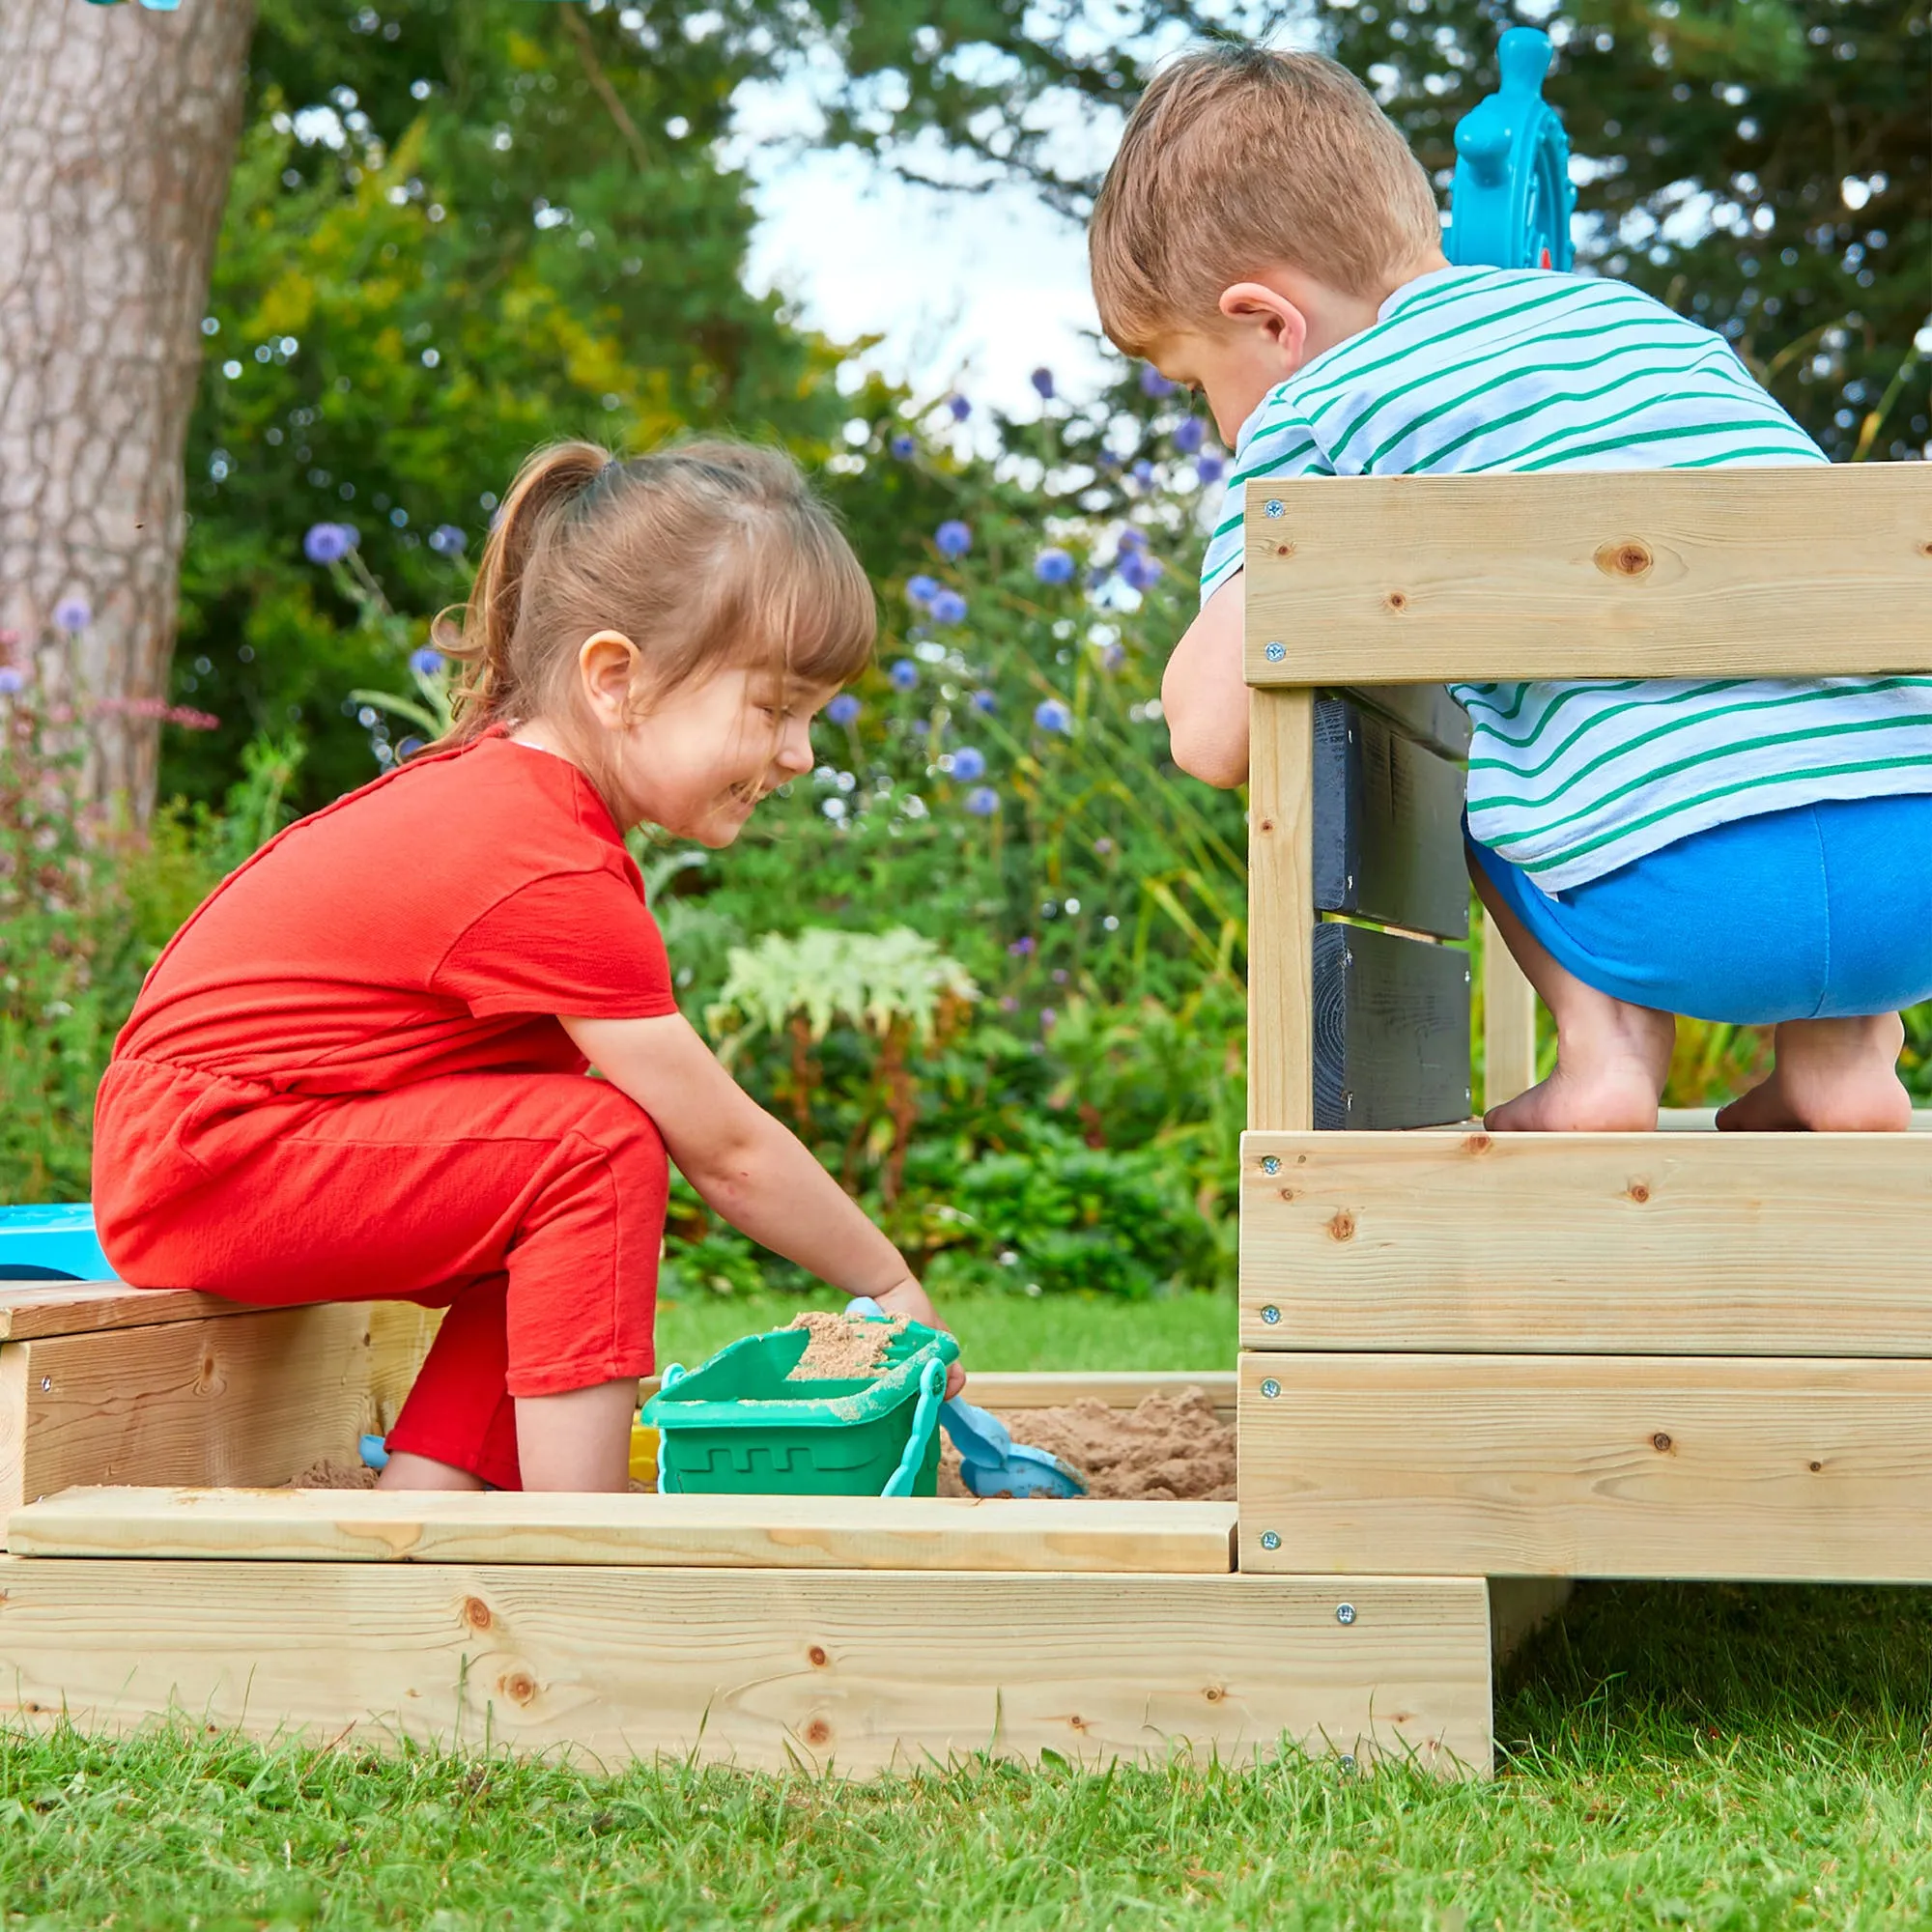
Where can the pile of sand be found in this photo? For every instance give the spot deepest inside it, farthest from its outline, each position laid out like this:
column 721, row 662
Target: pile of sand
column 843, row 1348
column 1170, row 1448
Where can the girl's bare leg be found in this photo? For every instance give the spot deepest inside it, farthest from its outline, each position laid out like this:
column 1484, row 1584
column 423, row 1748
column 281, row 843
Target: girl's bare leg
column 404, row 1471
column 1612, row 1056
column 581, row 1441
column 1831, row 1076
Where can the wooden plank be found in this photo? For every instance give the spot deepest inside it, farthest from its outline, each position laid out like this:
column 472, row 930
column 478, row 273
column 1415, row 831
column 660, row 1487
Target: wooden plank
column 400, row 1334
column 1589, row 1466
column 1281, row 825
column 1509, row 1021
column 1391, row 1029
column 1520, row 1606
column 29, row 1309
column 1751, row 1245
column 1425, row 712
column 1741, row 573
column 252, row 1398
column 1704, row 1120
column 713, row 1532
column 1388, row 825
column 864, row 1671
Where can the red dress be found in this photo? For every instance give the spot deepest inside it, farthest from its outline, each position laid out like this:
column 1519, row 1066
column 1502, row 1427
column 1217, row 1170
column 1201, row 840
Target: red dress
column 346, row 1080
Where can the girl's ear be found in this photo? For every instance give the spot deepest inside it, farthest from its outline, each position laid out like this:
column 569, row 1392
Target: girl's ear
column 1278, row 324
column 607, row 669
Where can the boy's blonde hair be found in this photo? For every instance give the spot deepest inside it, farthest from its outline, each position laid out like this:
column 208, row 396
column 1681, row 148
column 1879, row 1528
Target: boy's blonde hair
column 1240, row 158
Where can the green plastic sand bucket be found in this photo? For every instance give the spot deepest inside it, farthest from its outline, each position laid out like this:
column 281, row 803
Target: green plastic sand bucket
column 737, row 1426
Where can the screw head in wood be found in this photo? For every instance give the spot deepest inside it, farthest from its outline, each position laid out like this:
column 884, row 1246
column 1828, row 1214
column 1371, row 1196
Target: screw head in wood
column 1346, row 1761
column 1272, row 507
column 1270, row 1388
column 1270, row 1314
column 1274, row 653
column 1270, row 1163
column 47, row 1382
column 1270, row 1539
column 1345, row 1613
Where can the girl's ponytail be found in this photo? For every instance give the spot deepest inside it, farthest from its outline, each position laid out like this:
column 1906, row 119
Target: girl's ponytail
column 488, row 689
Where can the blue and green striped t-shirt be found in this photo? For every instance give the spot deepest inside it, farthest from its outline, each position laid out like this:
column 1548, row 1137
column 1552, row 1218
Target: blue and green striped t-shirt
column 1479, row 369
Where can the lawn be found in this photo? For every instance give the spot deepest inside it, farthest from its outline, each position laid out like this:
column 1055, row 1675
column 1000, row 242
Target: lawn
column 1710, row 1757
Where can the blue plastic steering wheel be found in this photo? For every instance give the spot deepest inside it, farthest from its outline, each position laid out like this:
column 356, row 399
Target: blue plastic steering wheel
column 1511, row 204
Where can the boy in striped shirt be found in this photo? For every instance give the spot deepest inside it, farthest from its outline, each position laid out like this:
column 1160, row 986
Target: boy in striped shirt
column 1749, row 850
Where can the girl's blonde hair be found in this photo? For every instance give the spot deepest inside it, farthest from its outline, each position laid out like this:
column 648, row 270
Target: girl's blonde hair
column 704, row 555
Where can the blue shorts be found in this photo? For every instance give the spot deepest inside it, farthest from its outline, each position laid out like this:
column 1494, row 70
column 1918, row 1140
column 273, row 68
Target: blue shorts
column 1821, row 912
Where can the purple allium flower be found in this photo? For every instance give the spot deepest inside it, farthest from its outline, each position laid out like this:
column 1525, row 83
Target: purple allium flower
column 1008, row 1003
column 1103, row 846
column 1131, row 539
column 1060, row 976
column 968, row 763
column 1047, row 1017
column 1113, row 657
column 1210, row 470
column 426, row 662
column 903, row 446
column 1143, row 473
column 1141, row 572
column 72, row 613
column 1022, row 946
column 1042, row 380
column 844, row 709
column 983, row 801
column 985, row 702
column 953, row 538
column 904, row 674
column 446, row 540
column 1051, row 715
column 11, row 680
column 1189, row 434
column 1153, row 382
column 961, row 409
column 1053, row 566
column 948, row 608
column 328, row 543
column 921, row 590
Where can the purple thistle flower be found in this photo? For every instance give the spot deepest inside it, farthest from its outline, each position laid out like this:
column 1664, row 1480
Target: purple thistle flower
column 1051, row 715
column 961, row 409
column 921, row 590
column 1210, row 470
column 1054, row 566
column 12, row 681
column 903, row 675
column 1189, row 433
column 983, row 801
column 903, row 446
column 1143, row 473
column 969, row 764
column 1042, row 380
column 328, row 543
column 72, row 613
column 1131, row 539
column 1021, row 947
column 948, row 608
column 1153, row 382
column 844, row 709
column 1141, row 572
column 446, row 540
column 985, row 702
column 426, row 662
column 953, row 539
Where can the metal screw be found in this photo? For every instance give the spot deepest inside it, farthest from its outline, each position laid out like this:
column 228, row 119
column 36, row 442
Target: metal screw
column 47, row 1382
column 1270, row 1539
column 1272, row 507
column 1349, row 882
column 1270, row 1314
column 1274, row 653
column 1270, row 1163
column 1270, row 1388
column 1345, row 1613
column 1347, row 1761
column 1348, row 957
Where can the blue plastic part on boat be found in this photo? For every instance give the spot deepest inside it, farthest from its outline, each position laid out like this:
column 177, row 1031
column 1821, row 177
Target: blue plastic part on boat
column 375, row 1451
column 51, row 1241
column 1511, row 200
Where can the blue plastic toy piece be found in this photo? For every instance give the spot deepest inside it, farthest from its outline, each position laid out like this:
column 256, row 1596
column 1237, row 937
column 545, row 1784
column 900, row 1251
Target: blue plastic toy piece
column 1512, row 201
column 54, row 1241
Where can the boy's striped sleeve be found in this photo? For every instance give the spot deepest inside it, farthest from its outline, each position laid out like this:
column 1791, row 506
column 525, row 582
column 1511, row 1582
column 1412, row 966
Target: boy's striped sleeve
column 1278, row 441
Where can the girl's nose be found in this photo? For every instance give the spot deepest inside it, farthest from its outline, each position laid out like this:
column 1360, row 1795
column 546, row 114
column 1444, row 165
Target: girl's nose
column 795, row 748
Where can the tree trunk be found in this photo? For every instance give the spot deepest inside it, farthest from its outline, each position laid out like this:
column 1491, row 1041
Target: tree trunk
column 117, row 134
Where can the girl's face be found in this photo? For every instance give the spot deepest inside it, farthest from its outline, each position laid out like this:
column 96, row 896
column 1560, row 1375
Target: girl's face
column 703, row 757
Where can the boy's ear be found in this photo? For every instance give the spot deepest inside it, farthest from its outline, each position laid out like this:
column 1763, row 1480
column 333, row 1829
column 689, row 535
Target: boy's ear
column 1280, row 322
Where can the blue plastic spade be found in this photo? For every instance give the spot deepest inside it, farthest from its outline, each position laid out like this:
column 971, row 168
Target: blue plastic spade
column 991, row 1464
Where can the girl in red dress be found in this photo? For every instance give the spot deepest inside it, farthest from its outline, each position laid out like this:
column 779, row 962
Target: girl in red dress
column 360, row 1071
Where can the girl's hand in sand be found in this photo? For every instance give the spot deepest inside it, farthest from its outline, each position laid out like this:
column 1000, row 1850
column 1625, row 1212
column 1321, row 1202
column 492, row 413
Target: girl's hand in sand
column 908, row 1298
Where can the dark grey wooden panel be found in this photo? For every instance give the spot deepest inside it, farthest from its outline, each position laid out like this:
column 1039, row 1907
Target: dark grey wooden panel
column 1391, row 1029
column 1388, row 825
column 1424, row 711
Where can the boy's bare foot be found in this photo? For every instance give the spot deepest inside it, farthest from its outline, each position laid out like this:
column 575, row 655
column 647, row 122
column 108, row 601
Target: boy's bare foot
column 1611, row 1067
column 1831, row 1077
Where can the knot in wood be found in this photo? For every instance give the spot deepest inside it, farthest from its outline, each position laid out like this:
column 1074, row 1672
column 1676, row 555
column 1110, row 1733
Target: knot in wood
column 1343, row 1227
column 476, row 1613
column 1396, row 600
column 1477, row 1143
column 816, row 1657
column 1661, row 1442
column 818, row 1732
column 1816, row 1467
column 519, row 1687
column 1629, row 558
column 1638, row 1191
column 1215, row 1694
column 1287, row 550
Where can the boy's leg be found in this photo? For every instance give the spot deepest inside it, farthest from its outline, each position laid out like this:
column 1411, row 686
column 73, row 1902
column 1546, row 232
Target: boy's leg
column 1612, row 1056
column 1829, row 1076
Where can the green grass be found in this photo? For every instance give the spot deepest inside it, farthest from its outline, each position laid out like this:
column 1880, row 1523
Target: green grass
column 1706, row 1756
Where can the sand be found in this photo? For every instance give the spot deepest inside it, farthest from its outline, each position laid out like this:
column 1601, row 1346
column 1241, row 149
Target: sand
column 843, row 1348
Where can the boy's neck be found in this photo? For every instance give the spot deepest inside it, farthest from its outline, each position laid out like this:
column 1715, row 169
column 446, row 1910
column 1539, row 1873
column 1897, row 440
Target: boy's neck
column 1333, row 316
